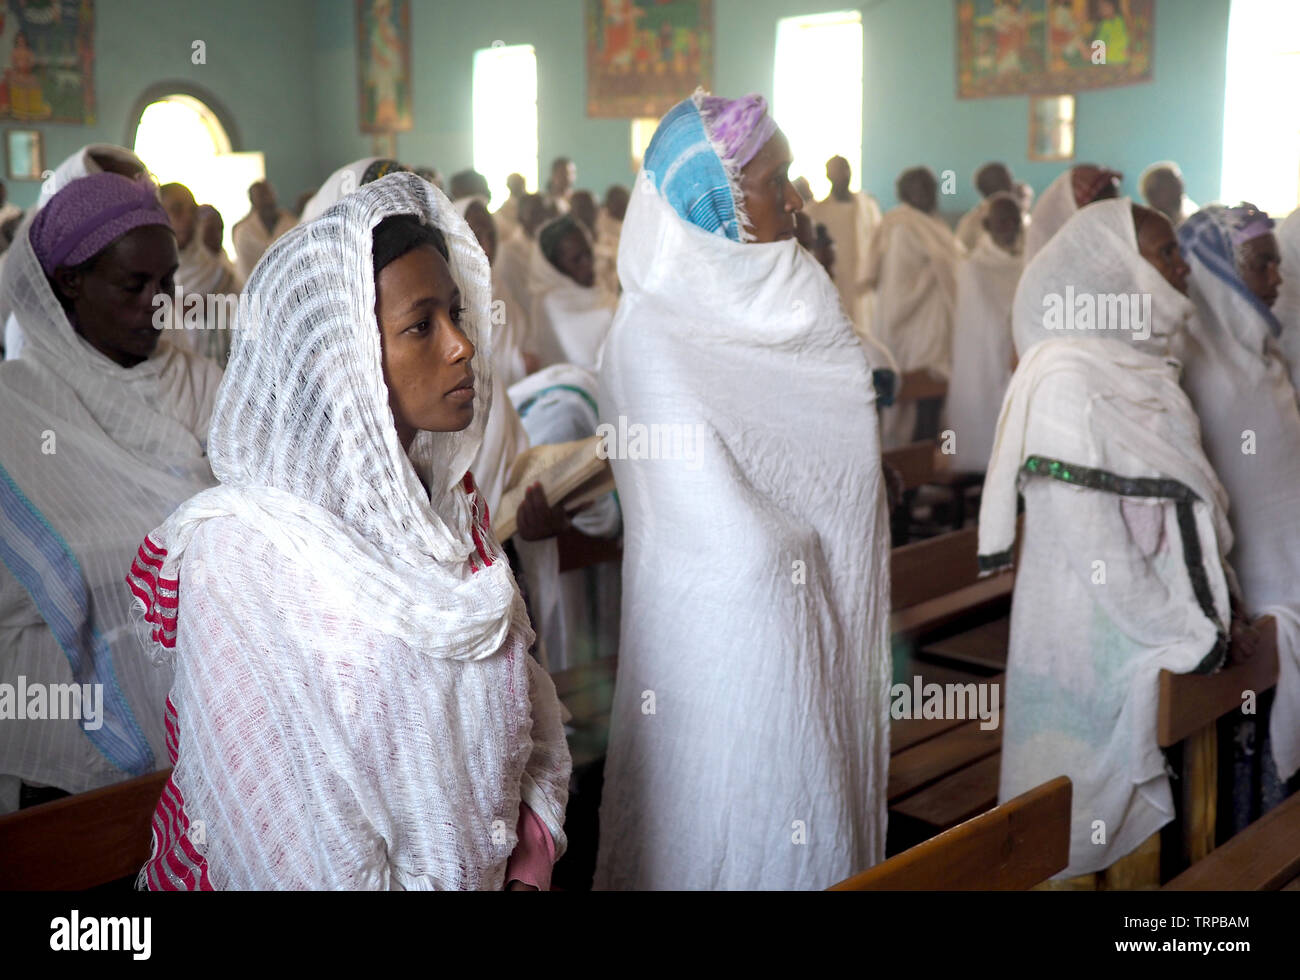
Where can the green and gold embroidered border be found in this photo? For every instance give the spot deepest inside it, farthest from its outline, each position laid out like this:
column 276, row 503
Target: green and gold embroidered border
column 1183, row 497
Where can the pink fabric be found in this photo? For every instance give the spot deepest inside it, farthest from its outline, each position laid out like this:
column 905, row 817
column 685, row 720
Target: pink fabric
column 534, row 855
column 740, row 126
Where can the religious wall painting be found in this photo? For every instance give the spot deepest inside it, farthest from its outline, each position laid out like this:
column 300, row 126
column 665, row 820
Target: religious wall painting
column 1018, row 47
column 47, row 60
column 384, row 65
column 645, row 56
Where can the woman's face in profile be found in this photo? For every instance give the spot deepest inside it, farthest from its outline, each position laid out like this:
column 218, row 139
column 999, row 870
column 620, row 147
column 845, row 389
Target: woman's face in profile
column 1159, row 246
column 770, row 199
column 426, row 357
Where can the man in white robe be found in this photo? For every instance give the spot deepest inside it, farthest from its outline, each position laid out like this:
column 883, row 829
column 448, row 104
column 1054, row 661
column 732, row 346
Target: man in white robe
column 254, row 233
column 912, row 264
column 850, row 219
column 983, row 355
column 1162, row 186
column 990, row 179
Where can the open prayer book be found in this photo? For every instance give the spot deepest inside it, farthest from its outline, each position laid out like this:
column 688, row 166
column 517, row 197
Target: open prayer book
column 571, row 473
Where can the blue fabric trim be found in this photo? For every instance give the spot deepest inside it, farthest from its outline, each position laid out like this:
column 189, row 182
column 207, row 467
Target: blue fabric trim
column 57, row 586
column 527, row 405
column 683, row 165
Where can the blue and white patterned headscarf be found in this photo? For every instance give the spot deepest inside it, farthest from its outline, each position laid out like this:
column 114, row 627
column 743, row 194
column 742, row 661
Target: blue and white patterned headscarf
column 696, row 156
column 1214, row 235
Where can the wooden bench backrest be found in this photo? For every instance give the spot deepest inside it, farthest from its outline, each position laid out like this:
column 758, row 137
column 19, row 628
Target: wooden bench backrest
column 920, row 384
column 934, row 567
column 914, row 463
column 1189, row 702
column 80, row 841
column 1263, row 857
column 1013, row 846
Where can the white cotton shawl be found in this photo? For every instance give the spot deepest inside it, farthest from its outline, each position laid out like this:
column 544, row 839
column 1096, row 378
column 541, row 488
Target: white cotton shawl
column 356, row 703
column 342, row 182
column 100, row 454
column 1251, row 428
column 982, row 350
column 1053, row 209
column 1106, row 593
column 503, row 437
column 83, row 163
column 749, row 735
column 1287, row 307
column 569, row 321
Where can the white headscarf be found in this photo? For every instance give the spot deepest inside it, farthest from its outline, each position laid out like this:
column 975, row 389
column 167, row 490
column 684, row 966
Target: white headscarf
column 381, row 619
column 569, row 321
column 1095, row 253
column 1054, row 207
column 338, row 185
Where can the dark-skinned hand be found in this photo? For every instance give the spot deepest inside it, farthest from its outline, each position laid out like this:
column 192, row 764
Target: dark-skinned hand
column 536, row 520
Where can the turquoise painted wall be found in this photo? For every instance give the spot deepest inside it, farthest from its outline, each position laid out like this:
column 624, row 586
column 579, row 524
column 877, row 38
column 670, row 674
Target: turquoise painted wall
column 286, row 71
column 259, row 65
column 910, row 110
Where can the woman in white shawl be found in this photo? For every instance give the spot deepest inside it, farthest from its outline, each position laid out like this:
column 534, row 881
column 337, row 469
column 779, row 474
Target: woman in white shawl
column 504, row 438
column 93, row 159
column 104, row 432
column 1239, row 384
column 983, row 355
column 1123, row 563
column 570, row 314
column 912, row 265
column 1076, row 188
column 749, row 734
column 354, row 705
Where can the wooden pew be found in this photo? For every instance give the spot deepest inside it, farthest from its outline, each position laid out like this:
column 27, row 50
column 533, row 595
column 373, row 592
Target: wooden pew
column 919, row 385
column 80, row 841
column 915, row 462
column 937, row 581
column 1189, row 710
column 1263, row 857
column 1013, row 846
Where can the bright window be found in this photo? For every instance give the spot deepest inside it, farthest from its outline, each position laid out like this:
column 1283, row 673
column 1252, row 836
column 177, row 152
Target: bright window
column 505, row 116
column 180, row 139
column 643, row 131
column 1261, row 116
column 818, row 93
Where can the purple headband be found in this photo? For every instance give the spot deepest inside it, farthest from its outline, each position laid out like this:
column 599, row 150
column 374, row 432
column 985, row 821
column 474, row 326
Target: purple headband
column 1246, row 222
column 739, row 127
column 89, row 214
